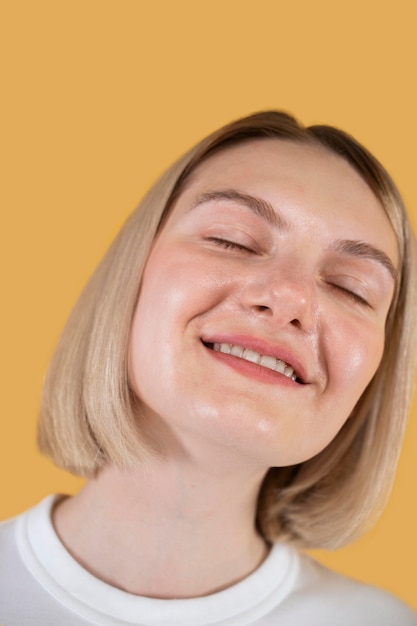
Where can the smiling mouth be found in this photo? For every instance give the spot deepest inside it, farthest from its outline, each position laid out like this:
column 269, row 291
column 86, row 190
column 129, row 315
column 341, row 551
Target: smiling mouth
column 269, row 362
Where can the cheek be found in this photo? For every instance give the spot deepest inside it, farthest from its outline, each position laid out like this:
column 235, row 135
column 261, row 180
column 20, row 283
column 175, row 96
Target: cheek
column 179, row 284
column 175, row 291
column 356, row 350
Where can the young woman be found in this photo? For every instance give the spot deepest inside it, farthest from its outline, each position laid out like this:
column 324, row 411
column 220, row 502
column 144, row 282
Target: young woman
column 234, row 381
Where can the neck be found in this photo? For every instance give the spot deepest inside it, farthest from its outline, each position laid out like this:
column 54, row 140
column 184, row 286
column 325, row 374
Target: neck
column 172, row 531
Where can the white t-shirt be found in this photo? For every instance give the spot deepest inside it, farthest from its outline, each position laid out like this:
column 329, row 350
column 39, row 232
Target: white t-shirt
column 42, row 585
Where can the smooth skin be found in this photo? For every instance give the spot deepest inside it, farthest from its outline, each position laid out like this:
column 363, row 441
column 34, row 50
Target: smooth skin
column 275, row 246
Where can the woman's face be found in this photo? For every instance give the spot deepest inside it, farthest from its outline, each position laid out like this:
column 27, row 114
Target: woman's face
column 283, row 252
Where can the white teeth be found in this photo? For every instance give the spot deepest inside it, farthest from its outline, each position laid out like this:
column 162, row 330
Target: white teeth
column 254, row 357
column 222, row 347
column 269, row 361
column 289, row 371
column 281, row 365
column 251, row 355
column 236, row 351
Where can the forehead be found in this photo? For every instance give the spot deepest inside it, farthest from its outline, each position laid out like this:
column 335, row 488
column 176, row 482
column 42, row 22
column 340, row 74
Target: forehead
column 289, row 165
column 307, row 182
column 284, row 170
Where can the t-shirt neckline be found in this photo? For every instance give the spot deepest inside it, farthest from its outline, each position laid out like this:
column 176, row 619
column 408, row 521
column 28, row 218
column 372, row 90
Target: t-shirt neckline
column 74, row 587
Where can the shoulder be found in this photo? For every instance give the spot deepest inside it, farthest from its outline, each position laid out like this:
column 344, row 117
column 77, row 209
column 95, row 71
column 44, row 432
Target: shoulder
column 14, row 532
column 7, row 540
column 23, row 600
column 11, row 532
column 12, row 572
column 332, row 596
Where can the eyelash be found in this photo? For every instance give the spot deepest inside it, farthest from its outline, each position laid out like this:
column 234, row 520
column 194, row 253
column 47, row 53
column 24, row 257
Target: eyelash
column 351, row 294
column 233, row 245
column 229, row 245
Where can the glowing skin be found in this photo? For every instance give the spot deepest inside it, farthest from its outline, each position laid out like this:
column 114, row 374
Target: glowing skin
column 278, row 293
column 280, row 289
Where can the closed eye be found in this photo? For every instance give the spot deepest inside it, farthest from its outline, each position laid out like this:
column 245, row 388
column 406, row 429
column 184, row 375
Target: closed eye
column 229, row 245
column 351, row 294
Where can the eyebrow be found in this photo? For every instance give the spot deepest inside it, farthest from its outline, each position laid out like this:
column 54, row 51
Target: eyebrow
column 366, row 251
column 266, row 211
column 259, row 206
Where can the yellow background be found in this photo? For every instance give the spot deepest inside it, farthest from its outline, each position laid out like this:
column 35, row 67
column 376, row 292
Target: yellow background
column 98, row 97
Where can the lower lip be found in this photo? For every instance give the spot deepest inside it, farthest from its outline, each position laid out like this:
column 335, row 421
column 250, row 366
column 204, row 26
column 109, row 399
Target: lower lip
column 253, row 370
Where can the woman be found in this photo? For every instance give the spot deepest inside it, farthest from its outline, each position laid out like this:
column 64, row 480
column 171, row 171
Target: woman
column 234, row 381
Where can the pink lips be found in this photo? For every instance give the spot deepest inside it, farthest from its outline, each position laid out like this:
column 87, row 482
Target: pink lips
column 258, row 345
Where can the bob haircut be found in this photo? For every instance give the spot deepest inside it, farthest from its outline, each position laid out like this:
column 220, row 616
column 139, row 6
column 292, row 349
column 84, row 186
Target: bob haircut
column 91, row 418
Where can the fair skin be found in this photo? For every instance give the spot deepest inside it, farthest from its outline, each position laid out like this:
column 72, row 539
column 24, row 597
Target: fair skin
column 277, row 248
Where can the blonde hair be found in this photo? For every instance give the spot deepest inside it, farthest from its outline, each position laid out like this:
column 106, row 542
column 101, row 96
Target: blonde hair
column 89, row 415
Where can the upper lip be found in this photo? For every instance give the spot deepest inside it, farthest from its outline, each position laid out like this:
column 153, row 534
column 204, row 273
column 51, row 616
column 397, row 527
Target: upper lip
column 280, row 351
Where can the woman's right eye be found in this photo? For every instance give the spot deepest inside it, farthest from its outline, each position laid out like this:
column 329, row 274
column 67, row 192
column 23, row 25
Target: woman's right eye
column 229, row 245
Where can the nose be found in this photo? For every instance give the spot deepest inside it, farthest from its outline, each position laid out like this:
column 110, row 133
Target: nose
column 286, row 296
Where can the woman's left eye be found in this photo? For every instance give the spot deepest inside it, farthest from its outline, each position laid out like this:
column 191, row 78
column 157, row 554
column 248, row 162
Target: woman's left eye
column 228, row 244
column 352, row 295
